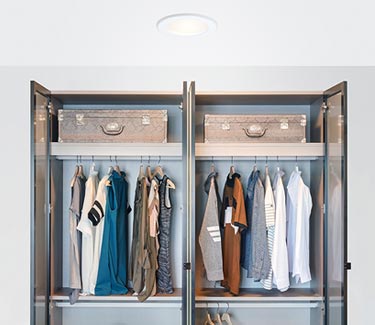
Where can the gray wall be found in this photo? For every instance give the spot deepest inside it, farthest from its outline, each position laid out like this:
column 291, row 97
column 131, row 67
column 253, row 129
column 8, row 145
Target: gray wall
column 14, row 137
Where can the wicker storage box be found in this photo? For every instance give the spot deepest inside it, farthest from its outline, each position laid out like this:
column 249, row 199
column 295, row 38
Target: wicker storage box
column 113, row 125
column 254, row 128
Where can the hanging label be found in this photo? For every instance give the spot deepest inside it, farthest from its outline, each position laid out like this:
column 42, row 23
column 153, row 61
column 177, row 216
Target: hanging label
column 228, row 215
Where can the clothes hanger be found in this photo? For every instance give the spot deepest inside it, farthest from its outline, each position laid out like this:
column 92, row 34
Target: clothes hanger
column 255, row 168
column 159, row 171
column 117, row 168
column 75, row 174
column 217, row 316
column 266, row 165
column 212, row 169
column 226, row 317
column 110, row 169
column 92, row 168
column 278, row 166
column 232, row 170
column 208, row 320
column 141, row 171
column 148, row 170
column 80, row 169
column 297, row 169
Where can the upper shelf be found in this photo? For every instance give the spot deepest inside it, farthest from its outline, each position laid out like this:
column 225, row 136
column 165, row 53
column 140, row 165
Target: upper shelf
column 292, row 150
column 128, row 150
column 201, row 98
column 174, row 150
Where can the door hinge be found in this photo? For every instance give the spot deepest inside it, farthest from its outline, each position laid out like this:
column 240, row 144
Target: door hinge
column 324, row 208
column 50, row 107
column 49, row 208
column 348, row 266
column 181, row 106
column 324, row 107
column 187, row 266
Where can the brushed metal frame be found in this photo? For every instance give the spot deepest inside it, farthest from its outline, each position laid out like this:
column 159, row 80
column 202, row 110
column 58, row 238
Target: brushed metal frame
column 188, row 152
column 337, row 89
column 34, row 89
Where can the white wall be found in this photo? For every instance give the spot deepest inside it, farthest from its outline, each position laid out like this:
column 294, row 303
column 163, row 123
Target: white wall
column 14, row 144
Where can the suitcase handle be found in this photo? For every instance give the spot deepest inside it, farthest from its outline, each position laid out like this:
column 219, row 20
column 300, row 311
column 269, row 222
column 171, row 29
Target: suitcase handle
column 255, row 131
column 112, row 129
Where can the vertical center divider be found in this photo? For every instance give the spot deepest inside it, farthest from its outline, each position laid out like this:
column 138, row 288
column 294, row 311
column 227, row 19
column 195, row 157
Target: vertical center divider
column 188, row 152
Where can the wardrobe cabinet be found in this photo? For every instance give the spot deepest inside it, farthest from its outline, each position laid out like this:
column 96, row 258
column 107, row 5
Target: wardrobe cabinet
column 187, row 159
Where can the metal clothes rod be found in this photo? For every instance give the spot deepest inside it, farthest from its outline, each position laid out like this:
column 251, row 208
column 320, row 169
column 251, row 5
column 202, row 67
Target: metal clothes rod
column 258, row 158
column 153, row 159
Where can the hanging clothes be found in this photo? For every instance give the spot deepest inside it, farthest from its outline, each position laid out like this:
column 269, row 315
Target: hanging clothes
column 152, row 243
column 210, row 236
column 87, row 229
column 261, row 262
column 76, row 203
column 269, row 204
column 138, row 250
column 246, row 249
column 233, row 216
column 96, row 216
column 113, row 257
column 280, row 252
column 299, row 205
column 163, row 273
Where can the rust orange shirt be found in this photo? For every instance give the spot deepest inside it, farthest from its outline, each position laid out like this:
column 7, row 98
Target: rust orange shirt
column 233, row 219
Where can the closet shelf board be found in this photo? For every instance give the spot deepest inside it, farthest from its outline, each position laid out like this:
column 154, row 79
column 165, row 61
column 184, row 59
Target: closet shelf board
column 61, row 150
column 259, row 295
column 63, row 295
column 117, row 97
column 307, row 150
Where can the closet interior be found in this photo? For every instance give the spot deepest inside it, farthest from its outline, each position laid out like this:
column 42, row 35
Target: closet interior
column 301, row 303
column 188, row 158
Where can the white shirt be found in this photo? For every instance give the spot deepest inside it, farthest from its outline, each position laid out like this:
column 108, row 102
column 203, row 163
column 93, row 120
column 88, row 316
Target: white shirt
column 299, row 205
column 86, row 227
column 280, row 252
column 99, row 208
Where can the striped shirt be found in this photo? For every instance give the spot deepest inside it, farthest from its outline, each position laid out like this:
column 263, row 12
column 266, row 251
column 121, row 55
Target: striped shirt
column 269, row 204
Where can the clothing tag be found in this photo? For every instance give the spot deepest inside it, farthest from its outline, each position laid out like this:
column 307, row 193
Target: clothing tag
column 228, row 215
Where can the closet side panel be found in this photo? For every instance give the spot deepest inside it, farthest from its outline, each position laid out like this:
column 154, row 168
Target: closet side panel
column 39, row 254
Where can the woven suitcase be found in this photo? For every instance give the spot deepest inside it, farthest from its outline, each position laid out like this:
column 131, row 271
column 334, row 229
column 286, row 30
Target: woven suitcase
column 113, row 125
column 254, row 128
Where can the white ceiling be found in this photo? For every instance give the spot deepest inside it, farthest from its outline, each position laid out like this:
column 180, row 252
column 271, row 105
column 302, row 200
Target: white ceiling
column 120, row 32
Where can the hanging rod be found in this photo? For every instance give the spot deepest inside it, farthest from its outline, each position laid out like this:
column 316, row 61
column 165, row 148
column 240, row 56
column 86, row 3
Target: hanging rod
column 153, row 159
column 258, row 158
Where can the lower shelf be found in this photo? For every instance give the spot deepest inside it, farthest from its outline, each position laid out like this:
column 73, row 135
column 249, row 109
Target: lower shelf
column 60, row 298
column 206, row 298
column 258, row 295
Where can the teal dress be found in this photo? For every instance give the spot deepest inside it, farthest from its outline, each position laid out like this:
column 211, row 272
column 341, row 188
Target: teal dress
column 112, row 277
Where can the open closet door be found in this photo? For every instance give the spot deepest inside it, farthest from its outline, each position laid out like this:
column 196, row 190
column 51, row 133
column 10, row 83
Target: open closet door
column 40, row 138
column 188, row 140
column 335, row 106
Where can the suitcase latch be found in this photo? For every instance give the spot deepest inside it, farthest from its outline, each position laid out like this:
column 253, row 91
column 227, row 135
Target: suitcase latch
column 146, row 120
column 79, row 119
column 225, row 126
column 284, row 124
